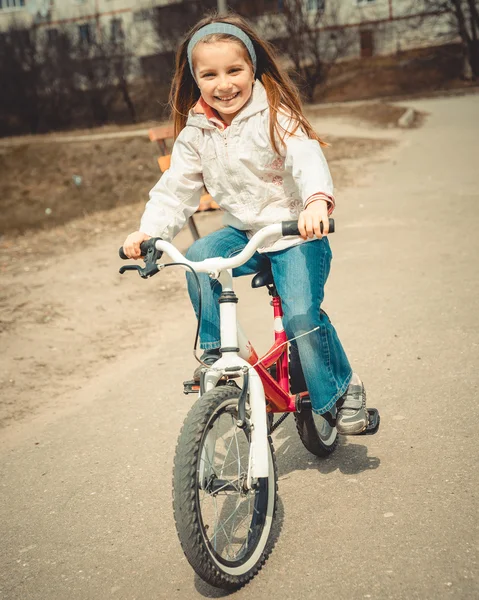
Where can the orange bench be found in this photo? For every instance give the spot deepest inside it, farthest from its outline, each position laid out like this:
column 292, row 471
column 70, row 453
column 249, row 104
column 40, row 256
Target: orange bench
column 160, row 135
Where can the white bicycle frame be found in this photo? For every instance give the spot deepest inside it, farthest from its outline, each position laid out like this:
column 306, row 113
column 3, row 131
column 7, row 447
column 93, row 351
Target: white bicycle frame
column 232, row 337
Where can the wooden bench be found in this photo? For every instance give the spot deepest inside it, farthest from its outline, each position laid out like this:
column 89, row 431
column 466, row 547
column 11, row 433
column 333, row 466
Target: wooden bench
column 160, row 135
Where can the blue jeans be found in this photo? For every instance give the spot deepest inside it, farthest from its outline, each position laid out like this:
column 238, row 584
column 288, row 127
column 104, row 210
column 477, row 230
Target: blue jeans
column 300, row 273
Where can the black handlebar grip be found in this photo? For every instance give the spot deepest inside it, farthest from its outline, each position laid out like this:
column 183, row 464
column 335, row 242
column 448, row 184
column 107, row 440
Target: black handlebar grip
column 144, row 247
column 291, row 227
column 143, row 250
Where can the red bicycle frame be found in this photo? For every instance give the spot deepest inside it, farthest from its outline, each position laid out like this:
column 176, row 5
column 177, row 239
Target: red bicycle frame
column 276, row 390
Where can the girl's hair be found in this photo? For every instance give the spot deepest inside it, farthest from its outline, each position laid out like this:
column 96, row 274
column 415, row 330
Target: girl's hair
column 280, row 90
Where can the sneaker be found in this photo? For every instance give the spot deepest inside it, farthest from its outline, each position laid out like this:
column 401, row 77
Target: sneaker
column 209, row 357
column 352, row 417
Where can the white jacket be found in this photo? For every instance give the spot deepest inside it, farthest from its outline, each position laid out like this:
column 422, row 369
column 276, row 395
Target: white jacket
column 239, row 168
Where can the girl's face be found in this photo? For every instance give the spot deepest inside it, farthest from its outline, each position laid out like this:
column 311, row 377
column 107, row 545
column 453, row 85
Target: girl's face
column 224, row 75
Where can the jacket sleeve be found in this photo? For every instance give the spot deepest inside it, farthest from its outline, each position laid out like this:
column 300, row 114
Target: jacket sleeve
column 177, row 194
column 305, row 160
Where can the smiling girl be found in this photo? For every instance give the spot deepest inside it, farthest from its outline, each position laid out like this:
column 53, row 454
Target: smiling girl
column 241, row 132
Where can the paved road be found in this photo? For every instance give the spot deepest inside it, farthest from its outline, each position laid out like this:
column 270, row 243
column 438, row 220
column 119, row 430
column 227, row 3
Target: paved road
column 85, row 495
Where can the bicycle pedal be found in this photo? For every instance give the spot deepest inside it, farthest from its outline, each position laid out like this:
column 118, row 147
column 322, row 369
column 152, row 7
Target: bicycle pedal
column 374, row 420
column 191, row 387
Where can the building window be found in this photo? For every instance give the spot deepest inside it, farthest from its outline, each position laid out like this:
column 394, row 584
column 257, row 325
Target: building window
column 85, row 34
column 116, row 31
column 315, row 5
column 52, row 35
column 12, row 4
column 366, row 43
column 142, row 15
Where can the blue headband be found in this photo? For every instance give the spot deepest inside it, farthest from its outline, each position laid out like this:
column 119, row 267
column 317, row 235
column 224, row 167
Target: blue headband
column 221, row 28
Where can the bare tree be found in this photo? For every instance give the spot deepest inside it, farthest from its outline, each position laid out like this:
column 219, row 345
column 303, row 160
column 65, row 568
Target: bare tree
column 57, row 85
column 308, row 34
column 104, row 63
column 54, row 78
column 466, row 16
column 122, row 61
column 461, row 18
column 36, row 79
column 20, row 73
column 170, row 22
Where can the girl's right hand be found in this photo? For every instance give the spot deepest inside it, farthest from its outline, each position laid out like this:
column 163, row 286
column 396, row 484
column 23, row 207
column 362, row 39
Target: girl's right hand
column 131, row 246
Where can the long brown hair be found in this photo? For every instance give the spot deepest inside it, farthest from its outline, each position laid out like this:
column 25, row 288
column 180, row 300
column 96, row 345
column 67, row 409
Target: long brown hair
column 280, row 90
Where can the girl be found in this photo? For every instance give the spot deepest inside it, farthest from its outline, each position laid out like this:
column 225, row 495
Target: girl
column 240, row 132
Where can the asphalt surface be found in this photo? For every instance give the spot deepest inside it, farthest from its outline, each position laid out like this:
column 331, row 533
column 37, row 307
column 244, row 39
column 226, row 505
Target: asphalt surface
column 85, row 495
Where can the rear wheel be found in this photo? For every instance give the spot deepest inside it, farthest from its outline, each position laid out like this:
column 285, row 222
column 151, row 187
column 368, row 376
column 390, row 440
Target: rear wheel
column 317, row 435
column 224, row 527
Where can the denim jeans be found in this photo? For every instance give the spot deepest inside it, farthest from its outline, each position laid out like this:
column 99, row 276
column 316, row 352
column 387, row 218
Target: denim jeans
column 300, row 273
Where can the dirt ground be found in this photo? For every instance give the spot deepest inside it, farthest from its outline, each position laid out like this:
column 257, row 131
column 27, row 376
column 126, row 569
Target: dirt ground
column 45, row 183
column 411, row 72
column 57, row 324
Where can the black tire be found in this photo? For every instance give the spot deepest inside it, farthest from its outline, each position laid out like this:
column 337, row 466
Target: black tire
column 198, row 484
column 316, row 434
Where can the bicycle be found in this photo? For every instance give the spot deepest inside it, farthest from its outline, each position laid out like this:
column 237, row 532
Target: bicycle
column 224, row 476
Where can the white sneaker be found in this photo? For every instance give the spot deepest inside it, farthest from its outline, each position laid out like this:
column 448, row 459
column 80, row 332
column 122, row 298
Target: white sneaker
column 352, row 417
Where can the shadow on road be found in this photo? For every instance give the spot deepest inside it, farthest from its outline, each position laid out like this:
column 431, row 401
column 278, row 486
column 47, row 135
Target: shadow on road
column 349, row 457
column 208, row 591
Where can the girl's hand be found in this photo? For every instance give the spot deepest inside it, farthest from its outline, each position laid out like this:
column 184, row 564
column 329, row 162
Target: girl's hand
column 131, row 246
column 309, row 222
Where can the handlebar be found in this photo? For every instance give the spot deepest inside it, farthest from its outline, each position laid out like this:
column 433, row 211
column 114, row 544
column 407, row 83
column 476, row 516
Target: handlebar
column 153, row 249
column 291, row 227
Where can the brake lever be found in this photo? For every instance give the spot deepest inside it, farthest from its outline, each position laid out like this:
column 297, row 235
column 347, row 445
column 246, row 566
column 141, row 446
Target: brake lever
column 151, row 256
column 128, row 268
column 148, row 270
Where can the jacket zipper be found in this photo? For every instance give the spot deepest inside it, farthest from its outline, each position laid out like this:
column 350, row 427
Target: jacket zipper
column 233, row 181
column 224, row 134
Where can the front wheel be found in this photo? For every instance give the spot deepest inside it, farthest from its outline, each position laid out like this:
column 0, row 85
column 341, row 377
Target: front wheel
column 224, row 527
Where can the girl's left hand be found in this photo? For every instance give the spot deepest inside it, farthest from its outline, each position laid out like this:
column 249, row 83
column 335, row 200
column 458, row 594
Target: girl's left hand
column 309, row 222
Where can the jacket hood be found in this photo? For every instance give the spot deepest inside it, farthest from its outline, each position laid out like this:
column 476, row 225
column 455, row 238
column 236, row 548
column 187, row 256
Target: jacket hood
column 257, row 103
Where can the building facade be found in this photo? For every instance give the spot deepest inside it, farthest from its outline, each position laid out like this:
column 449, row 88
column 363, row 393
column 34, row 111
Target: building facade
column 378, row 26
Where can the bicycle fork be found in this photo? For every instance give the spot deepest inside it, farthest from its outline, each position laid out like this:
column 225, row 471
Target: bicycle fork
column 232, row 364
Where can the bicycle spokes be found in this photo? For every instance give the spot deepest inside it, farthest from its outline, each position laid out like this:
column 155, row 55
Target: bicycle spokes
column 227, row 506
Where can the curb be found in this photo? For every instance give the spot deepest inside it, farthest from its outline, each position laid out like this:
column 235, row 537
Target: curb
column 406, row 120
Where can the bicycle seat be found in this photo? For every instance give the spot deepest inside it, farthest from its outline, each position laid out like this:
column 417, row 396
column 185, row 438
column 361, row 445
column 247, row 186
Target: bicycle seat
column 264, row 277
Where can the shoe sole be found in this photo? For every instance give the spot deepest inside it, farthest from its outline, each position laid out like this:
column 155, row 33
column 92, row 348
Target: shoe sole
column 345, row 430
